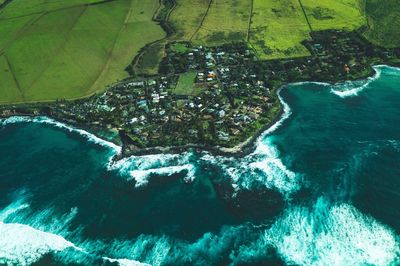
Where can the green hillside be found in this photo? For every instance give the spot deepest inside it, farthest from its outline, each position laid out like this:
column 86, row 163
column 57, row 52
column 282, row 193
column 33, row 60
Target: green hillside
column 384, row 22
column 51, row 49
column 70, row 49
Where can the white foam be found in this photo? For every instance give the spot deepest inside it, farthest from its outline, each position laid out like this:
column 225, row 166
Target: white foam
column 353, row 88
column 126, row 262
column 332, row 235
column 12, row 209
column 141, row 168
column 286, row 114
column 264, row 166
column 153, row 250
column 23, row 245
column 45, row 120
column 142, row 176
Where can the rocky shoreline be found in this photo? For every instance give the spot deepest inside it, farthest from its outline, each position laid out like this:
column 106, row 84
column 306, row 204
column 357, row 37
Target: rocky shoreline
column 240, row 150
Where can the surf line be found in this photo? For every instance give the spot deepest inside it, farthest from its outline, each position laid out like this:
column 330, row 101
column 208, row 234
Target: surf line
column 49, row 121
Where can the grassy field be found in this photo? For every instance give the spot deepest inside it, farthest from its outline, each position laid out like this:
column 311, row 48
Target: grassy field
column 52, row 49
column 69, row 49
column 275, row 29
column 384, row 22
column 187, row 17
column 226, row 21
column 278, row 28
column 338, row 14
column 185, row 84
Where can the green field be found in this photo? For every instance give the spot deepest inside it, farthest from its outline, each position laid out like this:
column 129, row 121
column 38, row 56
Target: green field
column 226, row 21
column 70, row 49
column 186, row 86
column 187, row 16
column 275, row 29
column 52, row 49
column 384, row 22
column 278, row 28
column 338, row 14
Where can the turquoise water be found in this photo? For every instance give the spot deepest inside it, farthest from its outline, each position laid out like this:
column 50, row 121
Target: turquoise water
column 321, row 188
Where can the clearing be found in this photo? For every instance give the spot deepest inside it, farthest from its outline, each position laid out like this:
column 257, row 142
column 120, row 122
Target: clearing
column 186, row 85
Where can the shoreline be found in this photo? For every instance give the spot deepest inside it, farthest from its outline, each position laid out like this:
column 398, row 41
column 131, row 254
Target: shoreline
column 240, row 150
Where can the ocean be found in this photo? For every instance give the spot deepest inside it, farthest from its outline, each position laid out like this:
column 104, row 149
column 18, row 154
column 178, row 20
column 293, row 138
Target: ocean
column 322, row 187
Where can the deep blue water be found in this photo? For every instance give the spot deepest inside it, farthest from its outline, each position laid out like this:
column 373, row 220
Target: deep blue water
column 321, row 188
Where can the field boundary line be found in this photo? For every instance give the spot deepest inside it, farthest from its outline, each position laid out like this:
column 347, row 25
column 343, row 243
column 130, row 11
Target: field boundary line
column 107, row 63
column 68, row 33
column 14, row 77
column 202, row 20
column 58, row 9
column 21, row 31
column 166, row 27
column 250, row 20
column 305, row 15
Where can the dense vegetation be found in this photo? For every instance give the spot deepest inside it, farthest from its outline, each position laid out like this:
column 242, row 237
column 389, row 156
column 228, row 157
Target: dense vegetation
column 384, row 22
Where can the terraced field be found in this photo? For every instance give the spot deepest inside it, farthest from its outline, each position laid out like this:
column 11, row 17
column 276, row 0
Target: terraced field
column 69, row 49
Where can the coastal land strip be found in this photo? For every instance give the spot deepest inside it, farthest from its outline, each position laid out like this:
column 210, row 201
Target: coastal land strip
column 232, row 95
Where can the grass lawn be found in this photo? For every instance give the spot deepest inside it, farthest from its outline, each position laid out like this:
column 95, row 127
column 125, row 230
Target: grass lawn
column 338, row 14
column 69, row 49
column 226, row 21
column 384, row 22
column 278, row 28
column 185, row 84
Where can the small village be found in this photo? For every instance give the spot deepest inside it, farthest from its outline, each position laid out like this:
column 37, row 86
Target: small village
column 214, row 96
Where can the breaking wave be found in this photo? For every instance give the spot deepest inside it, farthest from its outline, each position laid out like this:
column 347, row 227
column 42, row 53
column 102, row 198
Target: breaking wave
column 285, row 115
column 23, row 245
column 333, row 235
column 48, row 121
column 323, row 234
column 126, row 262
column 263, row 167
column 141, row 168
column 353, row 88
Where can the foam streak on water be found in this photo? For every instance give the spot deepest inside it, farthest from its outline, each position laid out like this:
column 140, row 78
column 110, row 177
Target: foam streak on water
column 141, row 168
column 332, row 235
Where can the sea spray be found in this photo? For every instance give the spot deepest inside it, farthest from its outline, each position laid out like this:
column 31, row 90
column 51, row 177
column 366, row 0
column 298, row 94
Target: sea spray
column 263, row 167
column 353, row 88
column 332, row 234
column 141, row 168
column 23, row 245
